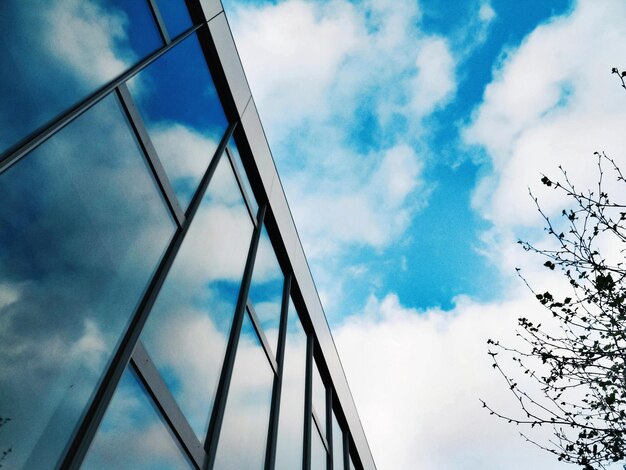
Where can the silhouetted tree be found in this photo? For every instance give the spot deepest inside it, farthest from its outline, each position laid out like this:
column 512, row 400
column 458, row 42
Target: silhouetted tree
column 578, row 364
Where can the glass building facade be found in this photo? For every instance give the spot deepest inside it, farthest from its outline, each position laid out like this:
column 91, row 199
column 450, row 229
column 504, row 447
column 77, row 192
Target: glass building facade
column 156, row 307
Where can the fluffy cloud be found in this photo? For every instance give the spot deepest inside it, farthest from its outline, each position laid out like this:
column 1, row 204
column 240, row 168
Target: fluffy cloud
column 553, row 101
column 430, row 369
column 342, row 88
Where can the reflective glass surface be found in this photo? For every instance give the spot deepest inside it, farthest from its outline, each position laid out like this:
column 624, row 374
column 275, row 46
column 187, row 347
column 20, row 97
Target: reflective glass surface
column 175, row 15
column 318, row 451
column 82, row 228
column 352, row 467
column 247, row 189
column 56, row 53
column 266, row 289
column 182, row 112
column 188, row 328
column 244, row 431
column 337, row 445
column 319, row 400
column 133, row 435
column 291, row 418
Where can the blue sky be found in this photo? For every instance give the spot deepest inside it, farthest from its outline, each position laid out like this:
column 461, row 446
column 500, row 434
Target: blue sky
column 438, row 254
column 406, row 134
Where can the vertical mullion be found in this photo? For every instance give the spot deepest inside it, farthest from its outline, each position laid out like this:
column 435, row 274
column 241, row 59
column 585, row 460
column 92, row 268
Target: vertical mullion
column 217, row 414
column 87, row 428
column 270, row 451
column 329, row 426
column 308, row 405
column 150, row 153
column 159, row 21
column 346, row 451
column 329, row 429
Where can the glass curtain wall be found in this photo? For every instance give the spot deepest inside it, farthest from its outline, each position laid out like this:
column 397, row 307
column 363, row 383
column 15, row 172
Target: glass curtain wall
column 146, row 320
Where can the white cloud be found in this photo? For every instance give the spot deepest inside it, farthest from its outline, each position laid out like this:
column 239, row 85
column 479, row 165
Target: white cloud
column 553, row 101
column 486, row 12
column 430, row 370
column 371, row 212
column 84, row 36
column 317, row 70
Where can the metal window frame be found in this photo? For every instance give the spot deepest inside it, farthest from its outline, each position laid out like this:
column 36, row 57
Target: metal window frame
column 159, row 21
column 219, row 406
column 93, row 416
column 166, row 404
column 213, row 33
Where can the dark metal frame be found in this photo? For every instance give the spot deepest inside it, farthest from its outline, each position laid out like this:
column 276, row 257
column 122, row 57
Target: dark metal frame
column 130, row 351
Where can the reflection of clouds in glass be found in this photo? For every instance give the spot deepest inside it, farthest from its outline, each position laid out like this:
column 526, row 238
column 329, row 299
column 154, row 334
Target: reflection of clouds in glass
column 132, row 434
column 319, row 399
column 318, row 451
column 89, row 38
column 187, row 331
column 337, row 444
column 82, row 227
column 266, row 288
column 184, row 153
column 243, row 436
column 193, row 112
column 58, row 52
column 290, row 424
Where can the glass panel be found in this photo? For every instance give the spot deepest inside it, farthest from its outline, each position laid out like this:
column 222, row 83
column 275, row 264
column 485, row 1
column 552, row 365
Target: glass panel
column 56, row 53
column 246, row 418
column 188, row 328
column 82, row 228
column 183, row 115
column 319, row 399
column 352, row 467
column 247, row 189
column 318, row 451
column 291, row 419
column 175, row 15
column 266, row 289
column 133, row 435
column 337, row 445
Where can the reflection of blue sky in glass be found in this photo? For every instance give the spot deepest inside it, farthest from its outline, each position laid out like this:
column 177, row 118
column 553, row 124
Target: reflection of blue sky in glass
column 133, row 435
column 56, row 53
column 182, row 113
column 188, row 328
column 266, row 288
column 243, row 436
column 175, row 15
column 291, row 417
column 82, row 227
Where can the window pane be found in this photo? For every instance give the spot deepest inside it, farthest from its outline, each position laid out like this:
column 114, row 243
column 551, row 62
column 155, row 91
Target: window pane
column 319, row 399
column 337, row 445
column 244, row 431
column 82, row 228
column 318, row 451
column 175, row 15
column 133, row 434
column 247, row 189
column 56, row 53
column 266, row 289
column 352, row 467
column 290, row 439
column 183, row 115
column 188, row 328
